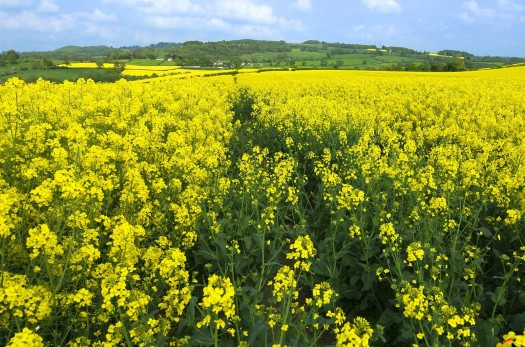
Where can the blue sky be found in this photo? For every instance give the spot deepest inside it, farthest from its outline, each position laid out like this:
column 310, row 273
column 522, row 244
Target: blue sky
column 482, row 27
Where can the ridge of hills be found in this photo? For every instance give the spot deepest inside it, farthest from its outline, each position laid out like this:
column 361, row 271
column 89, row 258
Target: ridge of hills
column 247, row 53
column 251, row 51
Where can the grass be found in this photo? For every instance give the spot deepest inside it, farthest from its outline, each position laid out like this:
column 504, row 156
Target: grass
column 48, row 74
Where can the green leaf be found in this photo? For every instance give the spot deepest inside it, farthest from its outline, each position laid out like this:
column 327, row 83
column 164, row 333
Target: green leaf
column 202, row 337
column 207, row 253
column 522, row 298
column 257, row 328
column 486, row 232
column 499, row 296
column 247, row 240
column 517, row 322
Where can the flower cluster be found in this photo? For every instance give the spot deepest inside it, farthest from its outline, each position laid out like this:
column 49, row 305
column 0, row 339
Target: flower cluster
column 302, row 250
column 26, row 338
column 218, row 297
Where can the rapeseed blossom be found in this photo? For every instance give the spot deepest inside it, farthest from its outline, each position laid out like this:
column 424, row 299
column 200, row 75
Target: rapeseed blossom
column 323, row 294
column 20, row 299
column 120, row 202
column 43, row 241
column 218, row 297
column 284, row 283
column 356, row 333
column 302, row 250
column 26, row 338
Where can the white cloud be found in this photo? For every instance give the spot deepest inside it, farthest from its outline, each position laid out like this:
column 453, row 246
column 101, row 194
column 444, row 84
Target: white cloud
column 15, row 3
column 506, row 12
column 54, row 24
column 95, row 29
column 244, row 10
column 237, row 17
column 160, row 7
column 292, row 24
column 99, row 16
column 183, row 22
column 28, row 20
column 190, row 18
column 386, row 6
column 373, row 32
column 216, row 24
column 474, row 11
column 509, row 5
column 47, row 6
column 302, row 5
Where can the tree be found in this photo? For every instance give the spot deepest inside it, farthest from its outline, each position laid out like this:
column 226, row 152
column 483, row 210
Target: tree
column 36, row 64
column 438, row 66
column 413, row 66
column 339, row 63
column 456, row 65
column 48, row 64
column 324, row 61
column 138, row 53
column 150, row 54
column 424, row 66
column 119, row 67
column 100, row 64
column 11, row 56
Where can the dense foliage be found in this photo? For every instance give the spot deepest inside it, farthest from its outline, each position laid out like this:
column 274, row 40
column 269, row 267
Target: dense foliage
column 280, row 208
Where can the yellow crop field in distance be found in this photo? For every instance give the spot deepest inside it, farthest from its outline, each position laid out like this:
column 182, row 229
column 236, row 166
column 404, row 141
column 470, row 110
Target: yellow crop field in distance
column 142, row 70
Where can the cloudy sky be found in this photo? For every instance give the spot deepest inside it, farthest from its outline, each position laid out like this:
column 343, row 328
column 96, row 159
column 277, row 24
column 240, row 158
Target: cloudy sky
column 482, row 27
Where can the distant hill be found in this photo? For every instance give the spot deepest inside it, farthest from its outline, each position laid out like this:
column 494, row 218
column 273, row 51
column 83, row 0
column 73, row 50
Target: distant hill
column 247, row 53
column 310, row 53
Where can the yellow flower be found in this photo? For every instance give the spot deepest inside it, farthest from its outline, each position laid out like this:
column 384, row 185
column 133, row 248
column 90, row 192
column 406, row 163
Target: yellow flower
column 25, row 301
column 26, row 338
column 283, row 283
column 357, row 333
column 388, row 234
column 302, row 250
column 513, row 216
column 323, row 294
column 349, row 197
column 218, row 296
column 43, row 240
column 414, row 252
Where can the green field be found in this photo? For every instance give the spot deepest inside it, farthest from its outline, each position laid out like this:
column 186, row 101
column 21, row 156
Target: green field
column 55, row 75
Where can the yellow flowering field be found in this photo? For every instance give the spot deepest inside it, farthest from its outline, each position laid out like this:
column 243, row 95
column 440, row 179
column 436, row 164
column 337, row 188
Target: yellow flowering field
column 137, row 70
column 179, row 73
column 131, row 70
column 158, row 70
column 300, row 208
column 87, row 65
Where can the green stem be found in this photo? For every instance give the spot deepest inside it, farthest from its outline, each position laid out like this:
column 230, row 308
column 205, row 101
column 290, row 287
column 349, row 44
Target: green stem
column 216, row 337
column 126, row 335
